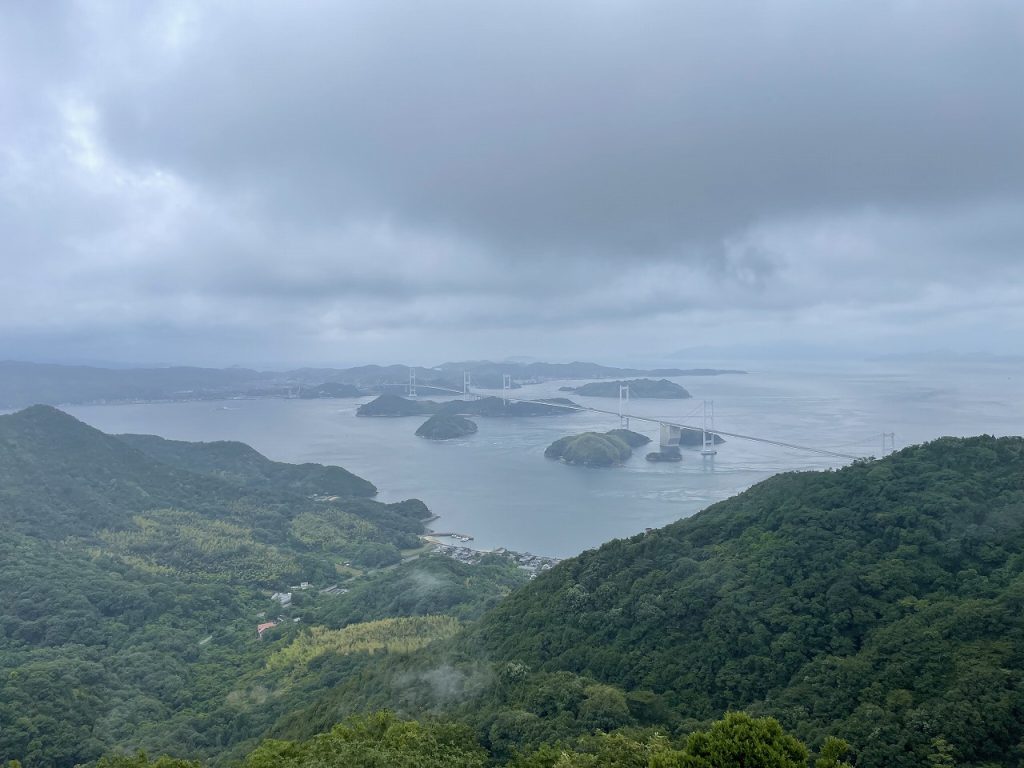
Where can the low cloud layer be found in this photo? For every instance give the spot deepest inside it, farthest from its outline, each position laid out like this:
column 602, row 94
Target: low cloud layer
column 322, row 182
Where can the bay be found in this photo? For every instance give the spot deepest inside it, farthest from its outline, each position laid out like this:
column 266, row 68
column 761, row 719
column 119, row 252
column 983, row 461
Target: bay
column 497, row 486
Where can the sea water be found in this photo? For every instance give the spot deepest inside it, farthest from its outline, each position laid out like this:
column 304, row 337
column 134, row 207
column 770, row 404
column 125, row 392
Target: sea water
column 497, row 486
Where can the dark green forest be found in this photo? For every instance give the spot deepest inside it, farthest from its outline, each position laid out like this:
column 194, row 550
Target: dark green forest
column 871, row 616
column 881, row 602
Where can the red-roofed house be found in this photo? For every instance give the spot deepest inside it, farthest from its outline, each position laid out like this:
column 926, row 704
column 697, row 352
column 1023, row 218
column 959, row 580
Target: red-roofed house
column 261, row 628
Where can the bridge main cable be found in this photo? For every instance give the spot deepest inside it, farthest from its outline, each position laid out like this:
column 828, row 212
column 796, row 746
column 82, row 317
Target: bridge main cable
column 652, row 420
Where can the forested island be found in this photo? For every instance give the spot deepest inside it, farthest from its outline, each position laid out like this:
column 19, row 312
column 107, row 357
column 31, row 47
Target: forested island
column 202, row 601
column 446, row 426
column 396, row 405
column 647, row 388
column 593, row 449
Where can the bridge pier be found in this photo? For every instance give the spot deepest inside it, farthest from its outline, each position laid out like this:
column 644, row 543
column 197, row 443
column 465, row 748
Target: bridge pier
column 670, row 436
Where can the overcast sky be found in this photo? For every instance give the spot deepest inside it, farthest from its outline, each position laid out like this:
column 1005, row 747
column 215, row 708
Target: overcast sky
column 337, row 182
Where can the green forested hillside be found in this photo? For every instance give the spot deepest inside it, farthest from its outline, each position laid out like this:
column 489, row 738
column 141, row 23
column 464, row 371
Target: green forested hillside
column 428, row 585
column 59, row 477
column 882, row 602
column 95, row 652
column 131, row 587
column 245, row 466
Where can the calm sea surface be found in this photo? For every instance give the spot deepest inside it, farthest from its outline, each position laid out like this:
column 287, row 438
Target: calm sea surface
column 497, row 486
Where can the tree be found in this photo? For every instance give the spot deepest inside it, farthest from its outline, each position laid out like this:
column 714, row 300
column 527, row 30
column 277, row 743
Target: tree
column 604, row 708
column 139, row 760
column 380, row 740
column 832, row 753
column 741, row 741
column 942, row 754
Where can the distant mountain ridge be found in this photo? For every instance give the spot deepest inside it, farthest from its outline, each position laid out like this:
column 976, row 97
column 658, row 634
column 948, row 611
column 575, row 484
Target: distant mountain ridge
column 574, row 370
column 396, row 405
column 23, row 384
column 638, row 388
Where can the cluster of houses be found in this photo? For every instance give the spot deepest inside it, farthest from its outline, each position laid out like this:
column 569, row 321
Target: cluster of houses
column 462, row 554
column 532, row 564
column 334, row 589
column 284, row 599
column 261, row 628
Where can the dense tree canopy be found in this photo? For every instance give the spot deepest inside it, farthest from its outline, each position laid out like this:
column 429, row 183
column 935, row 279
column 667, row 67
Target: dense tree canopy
column 133, row 574
column 882, row 602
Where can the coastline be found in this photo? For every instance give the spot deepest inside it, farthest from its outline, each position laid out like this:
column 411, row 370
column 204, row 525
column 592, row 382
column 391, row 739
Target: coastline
column 526, row 561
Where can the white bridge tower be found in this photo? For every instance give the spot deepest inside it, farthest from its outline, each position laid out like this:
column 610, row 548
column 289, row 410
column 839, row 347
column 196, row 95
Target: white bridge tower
column 707, row 443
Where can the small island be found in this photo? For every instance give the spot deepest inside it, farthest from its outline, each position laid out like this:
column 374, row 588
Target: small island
column 647, row 388
column 446, row 426
column 395, row 405
column 593, row 449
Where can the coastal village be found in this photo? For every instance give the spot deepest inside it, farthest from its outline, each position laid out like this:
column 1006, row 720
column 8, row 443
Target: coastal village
column 525, row 561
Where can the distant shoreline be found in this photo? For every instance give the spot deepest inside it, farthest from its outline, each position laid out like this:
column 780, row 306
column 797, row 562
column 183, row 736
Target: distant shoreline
column 25, row 384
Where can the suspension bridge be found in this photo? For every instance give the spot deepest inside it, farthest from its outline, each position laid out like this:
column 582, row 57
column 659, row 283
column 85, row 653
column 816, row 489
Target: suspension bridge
column 670, row 431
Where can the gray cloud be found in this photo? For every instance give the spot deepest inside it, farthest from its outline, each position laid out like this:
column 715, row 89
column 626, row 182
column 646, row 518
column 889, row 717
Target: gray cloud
column 366, row 179
column 606, row 127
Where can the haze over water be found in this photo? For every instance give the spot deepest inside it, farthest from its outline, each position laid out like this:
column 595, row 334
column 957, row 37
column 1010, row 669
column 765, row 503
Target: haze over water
column 497, row 486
